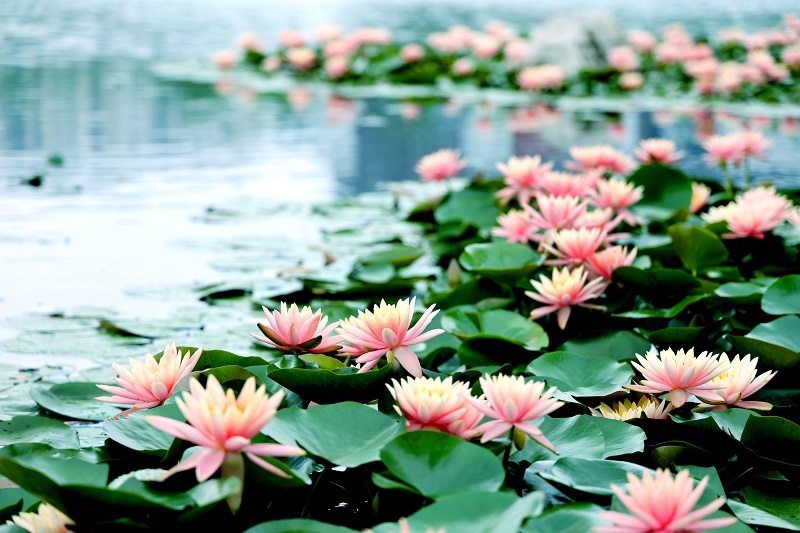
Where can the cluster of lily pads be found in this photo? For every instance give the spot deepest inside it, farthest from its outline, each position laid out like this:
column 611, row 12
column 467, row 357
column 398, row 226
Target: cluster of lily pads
column 505, row 402
column 734, row 65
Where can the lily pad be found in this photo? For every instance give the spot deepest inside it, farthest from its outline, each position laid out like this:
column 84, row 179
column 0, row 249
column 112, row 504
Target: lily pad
column 22, row 429
column 783, row 296
column 134, row 432
column 697, row 247
column 74, row 400
column 592, row 475
column 470, row 206
column 470, row 322
column 582, row 375
column 617, row 345
column 575, row 436
column 332, row 386
column 500, row 260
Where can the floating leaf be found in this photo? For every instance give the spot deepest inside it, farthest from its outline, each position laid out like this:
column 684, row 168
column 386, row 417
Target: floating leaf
column 620, row 437
column 74, row 400
column 21, row 429
column 346, row 434
column 665, row 188
column 438, row 464
column 582, row 375
column 773, row 438
column 671, row 312
column 697, row 247
column 592, row 475
column 783, row 296
column 617, row 345
column 134, row 432
column 469, row 322
column 741, row 293
column 570, row 518
column 501, row 260
column 575, row 436
column 331, row 386
column 778, row 504
column 470, row 206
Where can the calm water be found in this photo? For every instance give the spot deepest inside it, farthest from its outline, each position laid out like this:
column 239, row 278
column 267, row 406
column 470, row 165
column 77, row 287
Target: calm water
column 144, row 158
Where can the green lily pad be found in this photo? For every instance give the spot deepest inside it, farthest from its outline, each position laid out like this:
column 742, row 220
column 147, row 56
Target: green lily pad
column 396, row 256
column 346, row 434
column 656, row 279
column 783, row 296
column 501, row 260
column 74, row 400
column 747, row 293
column 470, row 206
column 570, row 518
column 671, row 312
column 298, row 525
column 438, row 464
column 470, row 322
column 781, row 508
column 575, row 436
column 22, row 429
column 775, row 343
column 665, row 188
column 620, row 437
column 616, row 345
column 134, row 432
column 332, row 386
column 592, row 475
column 697, row 247
column 582, row 375
column 773, row 438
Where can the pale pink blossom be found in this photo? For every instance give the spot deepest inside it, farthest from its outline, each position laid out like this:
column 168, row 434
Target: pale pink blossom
column 554, row 213
column 729, row 77
column 676, row 33
column 662, row 504
column 521, row 176
column 642, row 41
column 564, row 184
column 440, row 165
column 658, row 151
column 791, row 56
column 328, row 32
column 485, row 46
column 249, row 41
column 463, row 66
column 668, row 53
column 564, row 290
column 515, row 226
column 454, row 40
column 792, row 21
column 46, row 519
column 737, row 382
column 698, row 52
column 516, row 50
column 371, row 35
column 755, row 144
column 386, row 330
column 618, row 195
column 602, row 264
column 500, row 30
column 700, row 195
column 224, row 425
column 704, row 69
column 344, row 46
column 599, row 157
column 623, row 58
column 732, row 36
column 298, row 330
column 725, row 149
column 291, row 39
column 225, row 59
column 513, row 402
column 574, row 246
column 301, row 58
column 599, row 218
column 752, row 214
column 631, row 81
column 627, row 410
column 541, row 78
column 337, row 67
column 149, row 384
column 412, row 52
column 679, row 373
column 436, row 404
column 271, row 63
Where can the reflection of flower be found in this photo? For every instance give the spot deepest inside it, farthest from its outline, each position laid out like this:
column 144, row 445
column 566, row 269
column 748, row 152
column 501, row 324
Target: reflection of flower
column 440, row 165
column 678, row 373
column 224, row 424
column 662, row 504
column 150, row 383
column 514, row 403
column 564, row 290
column 628, row 410
column 46, row 519
column 298, row 330
column 541, row 78
column 384, row 330
column 736, row 383
column 436, row 404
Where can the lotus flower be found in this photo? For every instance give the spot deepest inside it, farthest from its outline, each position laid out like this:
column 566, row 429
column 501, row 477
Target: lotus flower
column 678, row 373
column 46, row 519
column 515, row 226
column 623, row 58
column 603, row 264
column 436, row 404
column 628, row 410
column 564, row 290
column 514, row 403
column 301, row 58
column 521, row 175
column 736, row 383
column 440, row 165
column 575, row 246
column 618, row 195
column 291, row 38
column 599, row 157
column 752, row 214
column 412, row 52
column 224, row 424
column 554, row 213
column 149, row 384
column 700, row 195
column 658, row 151
column 725, row 149
column 298, row 331
column 642, row 41
column 564, row 184
column 385, row 330
column 662, row 504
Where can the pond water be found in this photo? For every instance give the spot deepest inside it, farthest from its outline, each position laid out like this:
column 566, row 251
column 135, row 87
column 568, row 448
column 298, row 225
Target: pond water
column 150, row 166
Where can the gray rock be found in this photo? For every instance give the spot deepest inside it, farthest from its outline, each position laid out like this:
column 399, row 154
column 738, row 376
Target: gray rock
column 574, row 43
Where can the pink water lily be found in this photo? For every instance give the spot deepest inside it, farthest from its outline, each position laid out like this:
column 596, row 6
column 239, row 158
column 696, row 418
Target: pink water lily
column 736, row 383
column 647, row 406
column 440, row 165
column 678, row 373
column 662, row 504
column 224, row 425
column 658, row 151
column 521, row 176
column 46, row 519
column 564, row 290
column 513, row 402
column 387, row 330
column 298, row 330
column 149, row 384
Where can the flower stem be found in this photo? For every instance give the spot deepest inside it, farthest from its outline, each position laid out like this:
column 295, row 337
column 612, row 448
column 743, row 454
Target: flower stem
column 728, row 181
column 746, row 172
column 507, row 453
